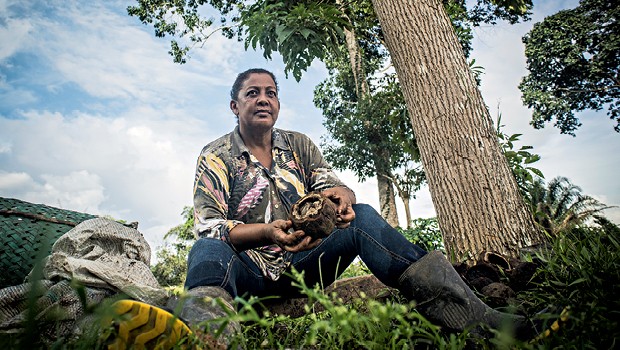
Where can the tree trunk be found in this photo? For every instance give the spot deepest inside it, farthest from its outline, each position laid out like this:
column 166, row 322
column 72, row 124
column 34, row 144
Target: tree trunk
column 407, row 211
column 405, row 197
column 476, row 198
column 355, row 59
column 387, row 199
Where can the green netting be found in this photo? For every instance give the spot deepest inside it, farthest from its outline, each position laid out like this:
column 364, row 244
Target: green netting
column 27, row 232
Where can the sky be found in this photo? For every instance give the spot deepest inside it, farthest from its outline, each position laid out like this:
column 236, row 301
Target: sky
column 95, row 117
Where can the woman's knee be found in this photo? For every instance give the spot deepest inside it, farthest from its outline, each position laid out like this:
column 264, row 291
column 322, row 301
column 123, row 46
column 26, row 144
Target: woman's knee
column 364, row 208
column 208, row 262
column 364, row 212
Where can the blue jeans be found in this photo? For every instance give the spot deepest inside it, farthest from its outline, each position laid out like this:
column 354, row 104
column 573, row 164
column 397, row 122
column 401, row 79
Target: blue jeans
column 384, row 250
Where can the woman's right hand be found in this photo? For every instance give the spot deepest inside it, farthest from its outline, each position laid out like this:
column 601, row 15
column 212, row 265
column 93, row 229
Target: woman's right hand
column 293, row 242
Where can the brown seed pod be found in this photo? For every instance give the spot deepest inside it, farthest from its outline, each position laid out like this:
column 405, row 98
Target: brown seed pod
column 314, row 214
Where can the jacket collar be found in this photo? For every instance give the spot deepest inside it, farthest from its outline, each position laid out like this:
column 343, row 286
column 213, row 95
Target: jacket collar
column 238, row 148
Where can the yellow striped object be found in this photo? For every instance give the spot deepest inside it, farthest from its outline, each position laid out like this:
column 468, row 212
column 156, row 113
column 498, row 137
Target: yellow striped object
column 143, row 326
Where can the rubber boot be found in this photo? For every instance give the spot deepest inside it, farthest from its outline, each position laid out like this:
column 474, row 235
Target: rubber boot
column 205, row 310
column 444, row 298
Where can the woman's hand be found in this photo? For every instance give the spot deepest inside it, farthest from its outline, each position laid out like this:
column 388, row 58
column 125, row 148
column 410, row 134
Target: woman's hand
column 296, row 241
column 344, row 199
column 249, row 236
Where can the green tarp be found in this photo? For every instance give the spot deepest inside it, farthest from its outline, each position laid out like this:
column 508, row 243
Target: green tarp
column 27, row 232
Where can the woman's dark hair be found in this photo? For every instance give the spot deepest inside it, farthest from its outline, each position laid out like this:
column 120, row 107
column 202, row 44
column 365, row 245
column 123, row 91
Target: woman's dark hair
column 243, row 76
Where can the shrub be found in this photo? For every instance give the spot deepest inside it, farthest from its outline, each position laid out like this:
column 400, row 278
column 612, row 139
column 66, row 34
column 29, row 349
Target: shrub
column 582, row 271
column 425, row 233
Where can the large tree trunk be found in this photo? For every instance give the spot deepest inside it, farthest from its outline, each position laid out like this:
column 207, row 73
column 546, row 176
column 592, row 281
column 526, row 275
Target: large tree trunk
column 474, row 192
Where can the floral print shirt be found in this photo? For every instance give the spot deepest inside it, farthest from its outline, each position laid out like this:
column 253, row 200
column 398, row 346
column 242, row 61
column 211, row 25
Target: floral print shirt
column 232, row 187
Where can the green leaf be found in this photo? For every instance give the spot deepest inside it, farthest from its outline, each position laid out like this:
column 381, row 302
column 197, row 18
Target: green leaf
column 577, row 281
column 306, row 32
column 536, row 171
column 514, row 137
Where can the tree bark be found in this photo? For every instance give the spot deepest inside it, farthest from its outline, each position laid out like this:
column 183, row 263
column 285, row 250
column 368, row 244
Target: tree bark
column 476, row 198
column 355, row 59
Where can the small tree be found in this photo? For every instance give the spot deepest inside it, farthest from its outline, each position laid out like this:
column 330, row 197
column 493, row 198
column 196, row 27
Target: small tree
column 171, row 267
column 560, row 205
column 425, row 233
column 407, row 183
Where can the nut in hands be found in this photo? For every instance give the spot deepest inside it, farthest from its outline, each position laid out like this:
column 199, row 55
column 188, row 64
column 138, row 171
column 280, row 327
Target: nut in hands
column 314, row 214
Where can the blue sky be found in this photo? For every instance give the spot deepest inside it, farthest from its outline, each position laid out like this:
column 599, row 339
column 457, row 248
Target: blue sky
column 95, row 117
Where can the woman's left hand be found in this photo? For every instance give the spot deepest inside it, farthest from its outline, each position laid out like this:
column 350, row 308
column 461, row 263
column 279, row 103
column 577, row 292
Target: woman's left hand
column 344, row 199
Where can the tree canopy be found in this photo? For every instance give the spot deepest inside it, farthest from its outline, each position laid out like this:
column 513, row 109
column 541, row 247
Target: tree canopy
column 573, row 61
column 300, row 30
column 433, row 50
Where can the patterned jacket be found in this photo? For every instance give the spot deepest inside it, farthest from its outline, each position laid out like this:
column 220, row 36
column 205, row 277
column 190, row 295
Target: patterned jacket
column 232, row 187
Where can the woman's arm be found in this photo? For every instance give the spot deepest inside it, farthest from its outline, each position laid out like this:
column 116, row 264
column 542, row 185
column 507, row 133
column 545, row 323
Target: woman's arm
column 248, row 236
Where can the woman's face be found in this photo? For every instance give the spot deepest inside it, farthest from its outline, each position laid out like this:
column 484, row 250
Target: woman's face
column 257, row 104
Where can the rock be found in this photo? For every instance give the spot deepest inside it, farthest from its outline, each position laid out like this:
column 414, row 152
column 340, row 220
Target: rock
column 520, row 277
column 480, row 282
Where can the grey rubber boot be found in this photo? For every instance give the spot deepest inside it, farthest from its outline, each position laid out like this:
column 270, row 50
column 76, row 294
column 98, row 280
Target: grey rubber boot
column 202, row 304
column 444, row 298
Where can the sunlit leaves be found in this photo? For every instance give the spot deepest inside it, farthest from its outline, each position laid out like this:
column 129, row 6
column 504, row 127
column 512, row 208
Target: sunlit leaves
column 300, row 31
column 519, row 159
column 185, row 21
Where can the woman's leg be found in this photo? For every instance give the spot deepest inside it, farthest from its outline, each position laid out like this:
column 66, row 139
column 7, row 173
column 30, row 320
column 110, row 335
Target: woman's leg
column 212, row 262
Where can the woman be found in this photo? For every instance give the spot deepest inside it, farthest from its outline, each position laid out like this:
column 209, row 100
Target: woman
column 247, row 181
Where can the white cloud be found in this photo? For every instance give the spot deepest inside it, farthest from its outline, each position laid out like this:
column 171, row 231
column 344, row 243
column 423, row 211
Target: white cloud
column 5, row 147
column 13, row 180
column 107, row 54
column 136, row 171
column 77, row 190
column 12, row 35
column 11, row 97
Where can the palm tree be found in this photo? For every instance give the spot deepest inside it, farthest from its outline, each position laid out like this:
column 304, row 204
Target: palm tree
column 561, row 205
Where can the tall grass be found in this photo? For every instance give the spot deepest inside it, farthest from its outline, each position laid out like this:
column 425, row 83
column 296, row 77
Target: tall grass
column 365, row 324
column 581, row 270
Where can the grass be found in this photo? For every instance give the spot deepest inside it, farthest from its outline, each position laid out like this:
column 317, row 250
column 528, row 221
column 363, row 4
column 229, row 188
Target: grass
column 581, row 270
